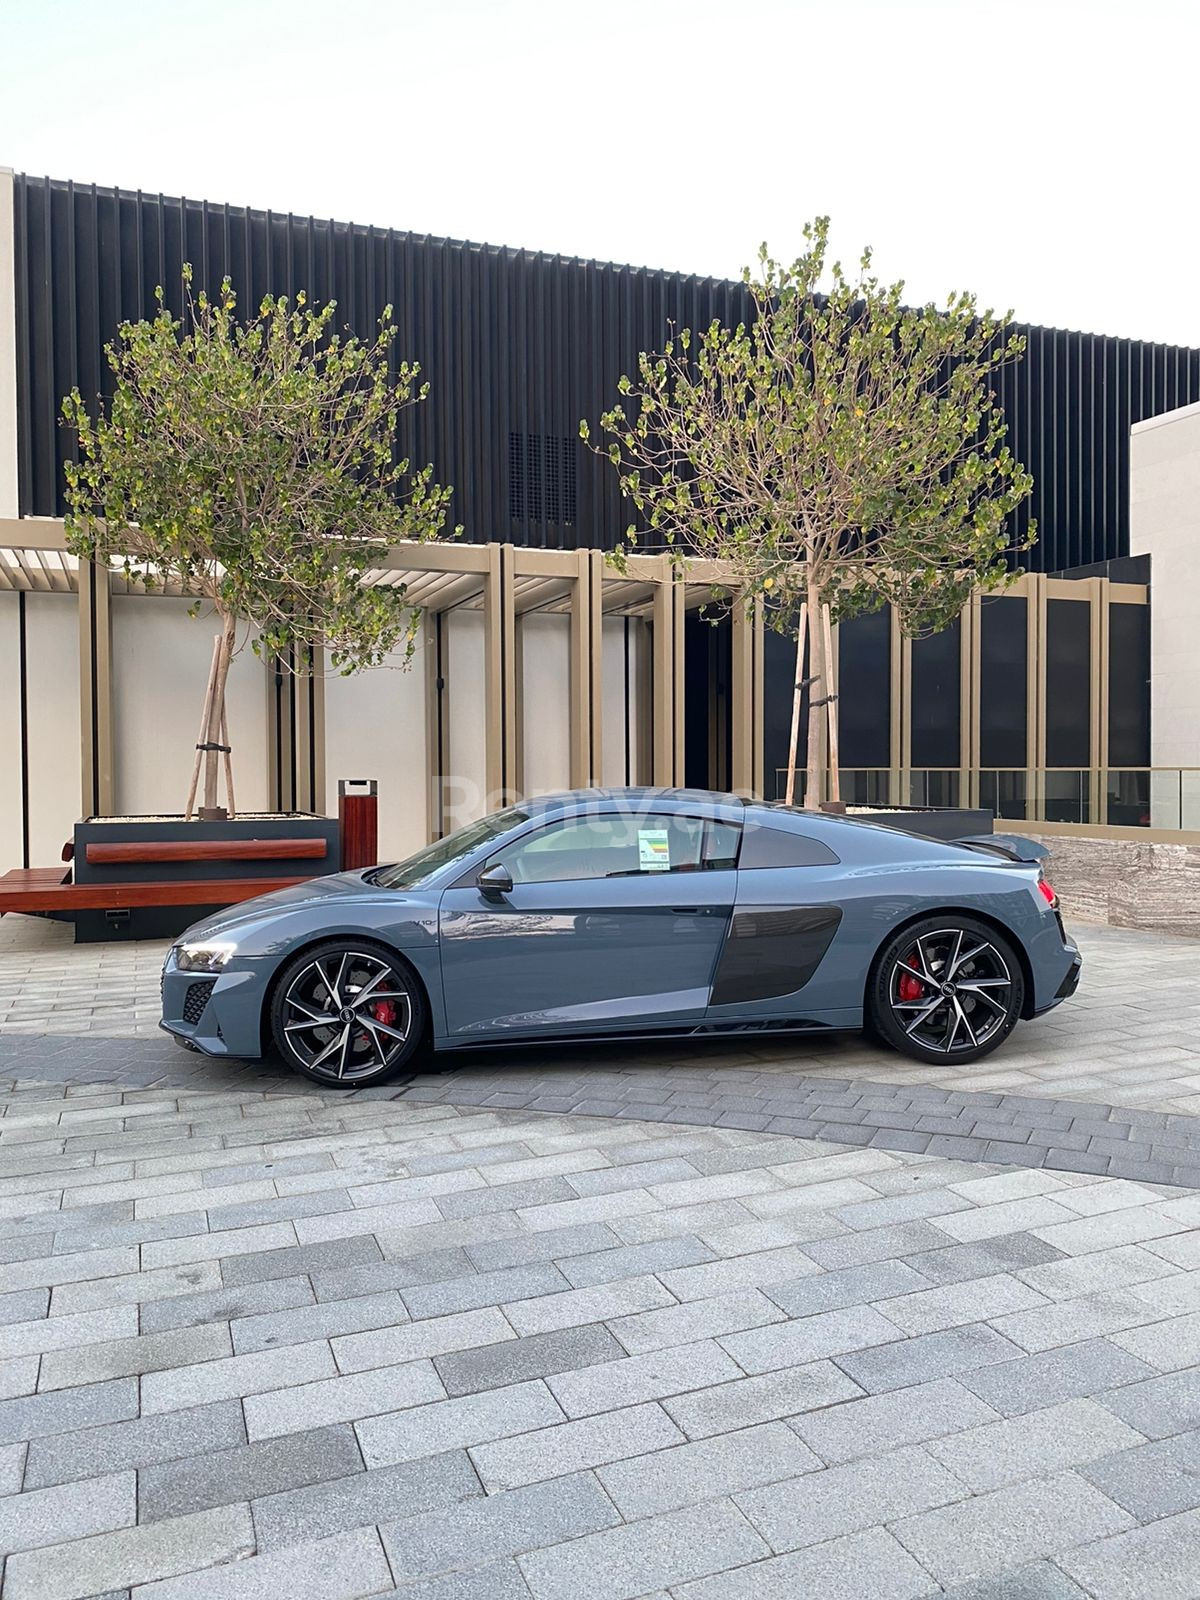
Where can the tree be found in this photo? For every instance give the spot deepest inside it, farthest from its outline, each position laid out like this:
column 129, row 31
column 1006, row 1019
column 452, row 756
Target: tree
column 841, row 450
column 255, row 466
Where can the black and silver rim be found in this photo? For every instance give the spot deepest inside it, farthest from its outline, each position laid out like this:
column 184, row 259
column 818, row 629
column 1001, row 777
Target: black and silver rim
column 347, row 1016
column 951, row 991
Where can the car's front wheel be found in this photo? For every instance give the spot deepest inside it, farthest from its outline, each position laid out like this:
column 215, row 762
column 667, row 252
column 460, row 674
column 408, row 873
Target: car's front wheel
column 348, row 1014
column 949, row 989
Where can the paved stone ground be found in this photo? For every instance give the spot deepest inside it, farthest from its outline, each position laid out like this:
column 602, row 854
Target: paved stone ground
column 610, row 1324
column 1130, row 1037
column 258, row 1343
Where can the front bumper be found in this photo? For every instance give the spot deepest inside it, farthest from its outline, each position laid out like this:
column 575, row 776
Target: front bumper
column 219, row 1013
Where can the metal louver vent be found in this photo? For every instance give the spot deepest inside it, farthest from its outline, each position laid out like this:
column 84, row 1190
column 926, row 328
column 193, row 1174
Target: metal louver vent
column 541, row 478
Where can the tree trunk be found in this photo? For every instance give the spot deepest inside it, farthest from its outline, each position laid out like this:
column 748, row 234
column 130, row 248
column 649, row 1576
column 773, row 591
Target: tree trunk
column 211, row 811
column 817, row 690
column 797, row 694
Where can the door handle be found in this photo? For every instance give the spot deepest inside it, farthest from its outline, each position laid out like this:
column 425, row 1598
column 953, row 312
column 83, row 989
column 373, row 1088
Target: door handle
column 689, row 911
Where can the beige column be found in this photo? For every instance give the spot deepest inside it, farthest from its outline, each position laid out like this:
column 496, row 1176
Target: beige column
column 499, row 627
column 587, row 680
column 95, row 691
column 747, row 691
column 1035, row 706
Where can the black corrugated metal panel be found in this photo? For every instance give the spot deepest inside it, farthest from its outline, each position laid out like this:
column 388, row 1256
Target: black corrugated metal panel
column 517, row 347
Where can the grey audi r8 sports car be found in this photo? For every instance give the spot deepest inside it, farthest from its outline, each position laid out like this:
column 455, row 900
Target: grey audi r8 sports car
column 631, row 913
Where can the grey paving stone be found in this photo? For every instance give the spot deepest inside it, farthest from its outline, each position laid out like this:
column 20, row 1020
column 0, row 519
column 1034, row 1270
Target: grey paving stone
column 1039, row 1581
column 1161, row 1560
column 375, row 1277
column 483, row 1289
column 495, row 1255
column 603, row 1302
column 695, row 1321
column 851, row 1286
column 413, row 1341
column 1037, row 1442
column 502, row 1525
column 261, row 1266
column 930, row 1355
column 667, row 1550
column 243, row 1375
column 499, row 1580
column 134, row 1288
column 991, row 1532
column 863, row 1566
column 515, row 1360
column 322, row 1321
column 70, row 1511
column 1151, row 1480
column 633, row 1379
column 504, row 1197
column 130, row 1556
column 299, row 1406
column 23, row 1305
column 574, row 1446
column 881, row 1422
column 344, row 1567
column 745, row 1401
column 282, row 1208
column 246, row 1472
column 844, row 1499
column 93, row 1363
column 424, row 1430
column 828, row 1333
column 632, row 1175
column 1040, row 1380
column 138, row 1443
column 876, row 1244
column 338, row 1503
column 705, row 1470
column 12, row 1467
column 44, row 1333
column 225, row 1305
column 37, row 1415
column 627, row 1261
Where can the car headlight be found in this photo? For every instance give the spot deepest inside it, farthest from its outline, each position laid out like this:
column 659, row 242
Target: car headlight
column 209, row 957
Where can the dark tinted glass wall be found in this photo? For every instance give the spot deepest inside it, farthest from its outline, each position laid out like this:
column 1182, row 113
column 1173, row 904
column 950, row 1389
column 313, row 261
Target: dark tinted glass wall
column 517, row 347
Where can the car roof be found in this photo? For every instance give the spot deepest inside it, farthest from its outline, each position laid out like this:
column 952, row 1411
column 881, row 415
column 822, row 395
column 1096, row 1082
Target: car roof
column 640, row 798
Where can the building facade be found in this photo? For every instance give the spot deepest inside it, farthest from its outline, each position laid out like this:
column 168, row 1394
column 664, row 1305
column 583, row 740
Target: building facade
column 1035, row 701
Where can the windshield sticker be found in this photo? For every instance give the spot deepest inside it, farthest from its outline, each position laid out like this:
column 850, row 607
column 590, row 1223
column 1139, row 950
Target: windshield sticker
column 654, row 850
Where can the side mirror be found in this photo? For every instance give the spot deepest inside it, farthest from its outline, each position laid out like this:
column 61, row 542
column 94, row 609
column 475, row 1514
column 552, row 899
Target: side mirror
column 494, row 882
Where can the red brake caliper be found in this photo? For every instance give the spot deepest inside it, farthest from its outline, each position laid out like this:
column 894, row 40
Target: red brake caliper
column 910, row 988
column 384, row 1011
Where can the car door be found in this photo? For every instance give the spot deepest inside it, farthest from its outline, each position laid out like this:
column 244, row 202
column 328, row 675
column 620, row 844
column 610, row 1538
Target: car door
column 613, row 921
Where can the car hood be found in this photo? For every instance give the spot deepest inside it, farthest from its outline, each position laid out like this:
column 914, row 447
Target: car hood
column 221, row 923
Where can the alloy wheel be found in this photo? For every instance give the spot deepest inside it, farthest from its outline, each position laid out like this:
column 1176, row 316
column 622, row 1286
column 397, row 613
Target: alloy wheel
column 347, row 1015
column 951, row 991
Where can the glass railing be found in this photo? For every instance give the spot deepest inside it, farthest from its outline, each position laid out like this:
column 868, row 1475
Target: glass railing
column 1131, row 797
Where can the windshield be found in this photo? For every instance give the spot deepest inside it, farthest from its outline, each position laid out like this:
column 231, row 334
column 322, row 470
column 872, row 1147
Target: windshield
column 445, row 852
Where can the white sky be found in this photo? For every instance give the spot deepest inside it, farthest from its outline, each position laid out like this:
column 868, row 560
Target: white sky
column 1044, row 155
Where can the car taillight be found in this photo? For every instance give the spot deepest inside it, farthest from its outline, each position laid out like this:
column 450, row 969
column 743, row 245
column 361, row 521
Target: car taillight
column 1048, row 894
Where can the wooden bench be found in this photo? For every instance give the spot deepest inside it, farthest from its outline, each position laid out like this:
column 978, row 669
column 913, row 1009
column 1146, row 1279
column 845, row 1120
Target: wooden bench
column 34, row 889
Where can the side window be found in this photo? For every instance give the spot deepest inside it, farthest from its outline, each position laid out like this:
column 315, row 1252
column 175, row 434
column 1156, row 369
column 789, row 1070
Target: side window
column 620, row 847
column 776, row 847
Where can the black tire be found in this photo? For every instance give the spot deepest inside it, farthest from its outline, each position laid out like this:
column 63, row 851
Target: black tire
column 948, row 989
column 355, row 1043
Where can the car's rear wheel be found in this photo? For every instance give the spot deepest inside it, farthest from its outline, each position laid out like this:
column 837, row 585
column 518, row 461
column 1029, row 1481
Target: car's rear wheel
column 348, row 1014
column 948, row 989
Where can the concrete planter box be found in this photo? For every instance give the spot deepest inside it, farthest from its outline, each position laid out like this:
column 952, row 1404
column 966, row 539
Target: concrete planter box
column 274, row 845
column 933, row 822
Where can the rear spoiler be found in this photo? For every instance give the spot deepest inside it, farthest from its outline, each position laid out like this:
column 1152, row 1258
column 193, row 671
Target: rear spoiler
column 1012, row 846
